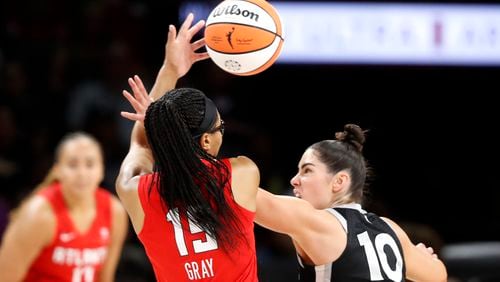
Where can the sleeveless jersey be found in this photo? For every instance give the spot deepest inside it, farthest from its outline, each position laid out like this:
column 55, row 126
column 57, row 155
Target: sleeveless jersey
column 373, row 251
column 184, row 252
column 73, row 256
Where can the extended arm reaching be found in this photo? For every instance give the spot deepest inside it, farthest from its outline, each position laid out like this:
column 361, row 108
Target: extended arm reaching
column 180, row 55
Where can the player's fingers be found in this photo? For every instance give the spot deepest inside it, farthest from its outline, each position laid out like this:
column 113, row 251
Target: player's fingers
column 142, row 89
column 132, row 116
column 198, row 44
column 187, row 23
column 172, row 33
column 139, row 92
column 196, row 28
column 201, row 56
column 138, row 107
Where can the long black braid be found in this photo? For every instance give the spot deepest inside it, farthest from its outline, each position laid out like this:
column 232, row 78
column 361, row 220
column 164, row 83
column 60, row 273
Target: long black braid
column 184, row 181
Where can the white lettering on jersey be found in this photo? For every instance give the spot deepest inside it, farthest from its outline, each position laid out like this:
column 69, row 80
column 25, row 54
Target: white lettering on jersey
column 199, row 270
column 78, row 257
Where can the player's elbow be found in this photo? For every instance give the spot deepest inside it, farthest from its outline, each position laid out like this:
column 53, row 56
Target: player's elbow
column 120, row 184
column 123, row 182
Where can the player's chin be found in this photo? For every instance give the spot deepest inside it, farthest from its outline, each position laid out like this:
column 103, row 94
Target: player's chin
column 84, row 187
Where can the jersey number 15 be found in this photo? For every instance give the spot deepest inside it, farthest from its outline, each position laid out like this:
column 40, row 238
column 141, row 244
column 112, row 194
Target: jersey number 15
column 199, row 246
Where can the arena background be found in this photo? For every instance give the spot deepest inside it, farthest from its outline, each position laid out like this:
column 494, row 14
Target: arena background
column 432, row 130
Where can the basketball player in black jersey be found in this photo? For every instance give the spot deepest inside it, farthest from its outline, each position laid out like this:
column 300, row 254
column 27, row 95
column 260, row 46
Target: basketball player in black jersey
column 335, row 239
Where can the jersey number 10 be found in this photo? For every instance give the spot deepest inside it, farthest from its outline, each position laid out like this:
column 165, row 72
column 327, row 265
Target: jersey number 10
column 375, row 255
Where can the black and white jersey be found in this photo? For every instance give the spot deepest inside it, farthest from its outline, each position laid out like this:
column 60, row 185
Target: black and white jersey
column 373, row 251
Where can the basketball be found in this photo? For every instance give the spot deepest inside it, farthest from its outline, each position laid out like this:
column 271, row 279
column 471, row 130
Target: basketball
column 244, row 37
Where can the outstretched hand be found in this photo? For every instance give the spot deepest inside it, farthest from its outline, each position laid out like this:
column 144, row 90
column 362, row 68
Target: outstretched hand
column 140, row 101
column 180, row 53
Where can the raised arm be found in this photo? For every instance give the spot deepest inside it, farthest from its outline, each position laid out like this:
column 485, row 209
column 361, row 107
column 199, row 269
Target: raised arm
column 139, row 159
column 180, row 55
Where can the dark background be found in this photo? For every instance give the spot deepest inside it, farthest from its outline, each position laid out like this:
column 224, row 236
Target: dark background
column 432, row 130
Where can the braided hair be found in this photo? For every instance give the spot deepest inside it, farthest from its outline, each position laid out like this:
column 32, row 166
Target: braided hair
column 189, row 179
column 346, row 153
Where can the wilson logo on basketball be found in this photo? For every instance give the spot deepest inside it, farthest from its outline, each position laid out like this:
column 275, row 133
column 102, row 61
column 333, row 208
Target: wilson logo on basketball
column 236, row 11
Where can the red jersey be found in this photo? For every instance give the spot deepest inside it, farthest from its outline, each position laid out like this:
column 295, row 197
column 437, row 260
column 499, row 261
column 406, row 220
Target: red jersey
column 186, row 253
column 73, row 256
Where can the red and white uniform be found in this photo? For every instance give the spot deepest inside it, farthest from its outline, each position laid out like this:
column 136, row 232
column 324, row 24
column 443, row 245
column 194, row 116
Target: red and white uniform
column 73, row 256
column 185, row 253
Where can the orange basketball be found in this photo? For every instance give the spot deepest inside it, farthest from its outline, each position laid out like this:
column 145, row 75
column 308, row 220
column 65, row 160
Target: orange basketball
column 244, row 37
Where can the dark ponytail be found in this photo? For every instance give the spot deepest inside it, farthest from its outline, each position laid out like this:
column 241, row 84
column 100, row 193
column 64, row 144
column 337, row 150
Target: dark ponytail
column 188, row 178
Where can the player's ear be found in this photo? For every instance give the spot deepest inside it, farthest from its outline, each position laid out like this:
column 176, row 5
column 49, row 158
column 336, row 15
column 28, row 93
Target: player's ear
column 341, row 180
column 205, row 142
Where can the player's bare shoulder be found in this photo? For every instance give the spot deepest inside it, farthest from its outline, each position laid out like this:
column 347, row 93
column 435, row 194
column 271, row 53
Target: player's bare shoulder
column 36, row 213
column 245, row 181
column 36, row 209
column 243, row 166
column 242, row 161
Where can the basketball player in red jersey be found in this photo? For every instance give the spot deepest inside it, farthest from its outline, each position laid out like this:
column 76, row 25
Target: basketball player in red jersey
column 192, row 211
column 69, row 229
